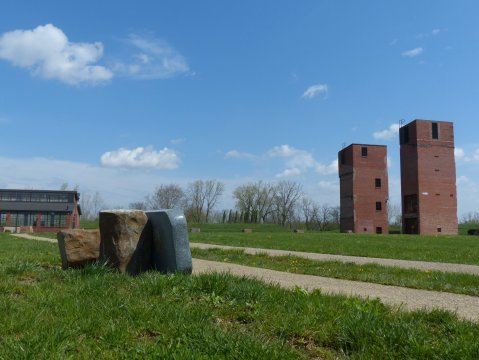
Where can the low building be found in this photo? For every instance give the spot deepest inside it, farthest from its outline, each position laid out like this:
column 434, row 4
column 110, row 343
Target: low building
column 39, row 210
column 363, row 179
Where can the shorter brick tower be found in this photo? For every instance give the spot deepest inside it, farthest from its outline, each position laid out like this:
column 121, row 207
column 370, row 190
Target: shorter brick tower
column 428, row 178
column 363, row 178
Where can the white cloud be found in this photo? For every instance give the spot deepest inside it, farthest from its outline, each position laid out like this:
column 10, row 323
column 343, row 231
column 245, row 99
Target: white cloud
column 235, row 154
column 315, row 90
column 459, row 153
column 294, row 161
column 330, row 169
column 152, row 59
column 289, row 172
column 299, row 161
column 47, row 52
column 329, row 185
column 387, row 134
column 141, row 157
column 435, row 31
column 413, row 52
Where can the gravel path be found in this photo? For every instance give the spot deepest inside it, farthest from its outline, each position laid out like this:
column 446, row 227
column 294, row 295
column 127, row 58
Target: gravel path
column 466, row 307
column 33, row 237
column 407, row 264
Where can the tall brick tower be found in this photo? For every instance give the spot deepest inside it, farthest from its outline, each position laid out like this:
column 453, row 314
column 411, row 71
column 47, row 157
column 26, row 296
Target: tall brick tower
column 363, row 178
column 428, row 178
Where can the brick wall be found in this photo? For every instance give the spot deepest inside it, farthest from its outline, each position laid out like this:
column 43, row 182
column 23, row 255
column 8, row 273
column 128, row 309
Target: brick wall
column 428, row 170
column 358, row 191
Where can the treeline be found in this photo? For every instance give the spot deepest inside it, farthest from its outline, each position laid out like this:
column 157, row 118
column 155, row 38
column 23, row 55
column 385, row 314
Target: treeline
column 282, row 202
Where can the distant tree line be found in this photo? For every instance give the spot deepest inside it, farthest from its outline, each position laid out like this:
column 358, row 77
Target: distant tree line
column 281, row 202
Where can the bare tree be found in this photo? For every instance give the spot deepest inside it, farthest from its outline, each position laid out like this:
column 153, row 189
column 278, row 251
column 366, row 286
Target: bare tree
column 245, row 197
column 394, row 214
column 263, row 205
column 213, row 191
column 335, row 216
column 287, row 194
column 91, row 205
column 255, row 198
column 307, row 209
column 138, row 205
column 321, row 215
column 471, row 217
column 196, row 200
column 166, row 197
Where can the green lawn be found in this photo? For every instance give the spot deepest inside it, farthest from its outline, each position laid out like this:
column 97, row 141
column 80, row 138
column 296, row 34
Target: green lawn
column 48, row 313
column 386, row 275
column 450, row 249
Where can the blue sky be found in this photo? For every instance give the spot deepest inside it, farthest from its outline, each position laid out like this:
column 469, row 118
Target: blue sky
column 120, row 96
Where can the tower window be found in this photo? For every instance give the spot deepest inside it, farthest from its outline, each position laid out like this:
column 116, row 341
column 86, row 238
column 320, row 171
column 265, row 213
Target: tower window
column 364, row 151
column 379, row 206
column 343, row 158
column 435, row 131
column 377, row 182
column 379, row 230
column 405, row 135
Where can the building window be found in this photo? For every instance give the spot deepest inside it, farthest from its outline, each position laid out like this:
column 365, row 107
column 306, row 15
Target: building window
column 3, row 219
column 54, row 220
column 379, row 206
column 364, row 151
column 410, row 204
column 377, row 183
column 439, row 230
column 379, row 230
column 435, row 130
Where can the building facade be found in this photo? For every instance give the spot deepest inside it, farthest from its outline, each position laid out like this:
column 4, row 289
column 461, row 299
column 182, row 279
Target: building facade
column 363, row 181
column 428, row 178
column 39, row 210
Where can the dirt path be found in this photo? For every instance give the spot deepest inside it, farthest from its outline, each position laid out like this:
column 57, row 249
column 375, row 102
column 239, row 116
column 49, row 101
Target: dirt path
column 407, row 264
column 466, row 307
column 33, row 237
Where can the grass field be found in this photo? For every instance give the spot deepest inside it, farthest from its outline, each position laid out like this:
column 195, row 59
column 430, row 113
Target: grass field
column 450, row 249
column 386, row 275
column 49, row 313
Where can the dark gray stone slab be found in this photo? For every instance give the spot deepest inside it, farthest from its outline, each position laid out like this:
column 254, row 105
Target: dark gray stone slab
column 170, row 241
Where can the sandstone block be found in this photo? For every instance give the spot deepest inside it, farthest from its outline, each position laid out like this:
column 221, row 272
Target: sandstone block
column 78, row 247
column 170, row 241
column 126, row 240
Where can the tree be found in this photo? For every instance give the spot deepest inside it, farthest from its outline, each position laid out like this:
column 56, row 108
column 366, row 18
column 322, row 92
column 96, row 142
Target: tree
column 166, row 197
column 196, row 200
column 322, row 216
column 255, row 197
column 394, row 214
column 213, row 191
column 138, row 205
column 91, row 205
column 471, row 217
column 307, row 209
column 287, row 194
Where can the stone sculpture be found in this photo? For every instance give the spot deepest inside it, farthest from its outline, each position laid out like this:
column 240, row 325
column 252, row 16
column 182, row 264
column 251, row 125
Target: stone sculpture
column 171, row 248
column 78, row 247
column 126, row 240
